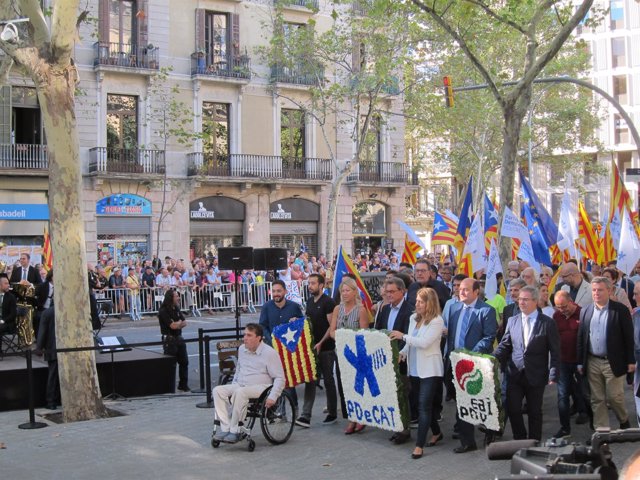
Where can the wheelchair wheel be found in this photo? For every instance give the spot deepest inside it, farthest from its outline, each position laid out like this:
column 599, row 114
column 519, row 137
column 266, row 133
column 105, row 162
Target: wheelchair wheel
column 215, row 443
column 252, row 446
column 278, row 421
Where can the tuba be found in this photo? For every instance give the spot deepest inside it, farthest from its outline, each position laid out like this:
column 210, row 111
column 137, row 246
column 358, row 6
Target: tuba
column 24, row 318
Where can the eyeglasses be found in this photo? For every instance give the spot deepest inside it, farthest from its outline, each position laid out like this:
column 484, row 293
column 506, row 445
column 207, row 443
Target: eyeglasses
column 421, row 270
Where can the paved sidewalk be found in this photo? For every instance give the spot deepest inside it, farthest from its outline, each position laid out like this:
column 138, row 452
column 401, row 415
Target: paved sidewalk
column 168, row 437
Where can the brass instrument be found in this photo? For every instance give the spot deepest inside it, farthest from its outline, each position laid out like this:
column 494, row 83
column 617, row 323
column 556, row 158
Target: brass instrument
column 3, row 265
column 24, row 318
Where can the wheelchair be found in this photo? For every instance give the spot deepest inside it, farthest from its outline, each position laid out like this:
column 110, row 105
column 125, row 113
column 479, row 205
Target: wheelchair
column 276, row 422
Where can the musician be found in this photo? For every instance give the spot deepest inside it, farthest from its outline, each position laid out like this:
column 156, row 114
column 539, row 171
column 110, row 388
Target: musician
column 8, row 310
column 44, row 299
column 25, row 273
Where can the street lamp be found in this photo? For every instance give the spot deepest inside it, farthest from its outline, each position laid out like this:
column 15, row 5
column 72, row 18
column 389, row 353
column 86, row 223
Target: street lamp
column 10, row 31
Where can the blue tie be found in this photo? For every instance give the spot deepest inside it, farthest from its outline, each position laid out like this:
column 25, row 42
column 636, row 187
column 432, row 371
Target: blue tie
column 463, row 327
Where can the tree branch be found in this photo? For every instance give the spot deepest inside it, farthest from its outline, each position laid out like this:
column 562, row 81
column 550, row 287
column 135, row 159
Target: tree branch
column 465, row 48
column 31, row 8
column 496, row 16
column 63, row 31
column 5, row 68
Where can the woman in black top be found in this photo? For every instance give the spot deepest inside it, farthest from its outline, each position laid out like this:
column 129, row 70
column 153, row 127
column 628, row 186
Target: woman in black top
column 171, row 324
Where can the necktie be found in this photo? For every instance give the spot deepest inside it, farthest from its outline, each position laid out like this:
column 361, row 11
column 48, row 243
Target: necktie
column 24, row 273
column 464, row 326
column 526, row 330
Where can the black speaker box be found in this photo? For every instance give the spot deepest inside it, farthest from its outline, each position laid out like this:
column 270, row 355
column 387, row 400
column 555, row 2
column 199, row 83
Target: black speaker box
column 270, row 258
column 235, row 258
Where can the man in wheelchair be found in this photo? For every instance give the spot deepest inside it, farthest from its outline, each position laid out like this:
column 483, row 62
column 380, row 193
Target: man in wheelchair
column 258, row 368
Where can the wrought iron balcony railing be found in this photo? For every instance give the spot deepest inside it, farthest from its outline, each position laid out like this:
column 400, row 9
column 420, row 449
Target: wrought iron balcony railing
column 123, row 160
column 310, row 4
column 228, row 66
column 382, row 172
column 298, row 74
column 24, row 156
column 126, row 55
column 259, row 166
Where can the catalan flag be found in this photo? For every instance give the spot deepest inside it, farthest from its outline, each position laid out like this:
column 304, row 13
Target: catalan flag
column 588, row 236
column 444, row 230
column 620, row 198
column 47, row 255
column 515, row 247
column 345, row 266
column 466, row 217
column 411, row 250
column 294, row 343
column 608, row 250
column 490, row 223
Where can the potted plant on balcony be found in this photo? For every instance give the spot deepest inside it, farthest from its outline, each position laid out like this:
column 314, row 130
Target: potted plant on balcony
column 151, row 59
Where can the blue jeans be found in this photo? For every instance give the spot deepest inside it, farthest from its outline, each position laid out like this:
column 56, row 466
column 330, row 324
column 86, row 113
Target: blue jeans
column 570, row 382
column 426, row 389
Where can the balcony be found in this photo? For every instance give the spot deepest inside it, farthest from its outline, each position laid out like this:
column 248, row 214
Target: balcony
column 27, row 158
column 382, row 172
column 227, row 66
column 262, row 167
column 308, row 4
column 126, row 56
column 126, row 161
column 391, row 87
column 297, row 74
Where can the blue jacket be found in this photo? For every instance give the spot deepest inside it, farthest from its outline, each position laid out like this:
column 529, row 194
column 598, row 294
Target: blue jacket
column 482, row 327
column 271, row 316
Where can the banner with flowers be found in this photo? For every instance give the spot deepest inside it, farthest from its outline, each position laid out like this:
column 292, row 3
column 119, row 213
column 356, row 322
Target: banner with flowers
column 478, row 395
column 372, row 385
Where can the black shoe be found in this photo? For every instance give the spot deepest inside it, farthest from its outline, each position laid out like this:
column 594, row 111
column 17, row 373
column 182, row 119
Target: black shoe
column 439, row 438
column 329, row 420
column 582, row 418
column 562, row 433
column 416, row 456
column 303, row 422
column 51, row 406
column 455, row 435
column 402, row 437
column 465, row 449
column 184, row 388
column 393, row 437
column 625, row 425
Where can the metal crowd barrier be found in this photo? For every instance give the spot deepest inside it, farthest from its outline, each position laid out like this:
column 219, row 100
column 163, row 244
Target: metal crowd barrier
column 209, row 298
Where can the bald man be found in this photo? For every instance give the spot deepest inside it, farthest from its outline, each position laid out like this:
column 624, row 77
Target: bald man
column 575, row 285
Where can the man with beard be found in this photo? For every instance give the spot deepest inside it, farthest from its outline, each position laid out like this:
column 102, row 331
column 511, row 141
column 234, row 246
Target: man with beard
column 277, row 311
column 426, row 278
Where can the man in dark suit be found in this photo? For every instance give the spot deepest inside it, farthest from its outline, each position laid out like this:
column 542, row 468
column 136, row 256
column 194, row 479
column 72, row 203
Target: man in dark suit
column 8, row 309
column 513, row 308
column 472, row 326
column 395, row 316
column 530, row 349
column 46, row 342
column 44, row 299
column 426, row 278
column 25, row 273
column 606, row 352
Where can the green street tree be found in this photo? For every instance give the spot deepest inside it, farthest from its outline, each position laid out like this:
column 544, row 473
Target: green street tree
column 541, row 26
column 354, row 59
column 42, row 52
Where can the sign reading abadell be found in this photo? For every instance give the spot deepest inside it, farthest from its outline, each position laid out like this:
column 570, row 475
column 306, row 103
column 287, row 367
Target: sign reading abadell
column 371, row 381
column 477, row 384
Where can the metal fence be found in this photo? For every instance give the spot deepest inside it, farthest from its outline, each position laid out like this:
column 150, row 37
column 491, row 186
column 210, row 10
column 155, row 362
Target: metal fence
column 194, row 300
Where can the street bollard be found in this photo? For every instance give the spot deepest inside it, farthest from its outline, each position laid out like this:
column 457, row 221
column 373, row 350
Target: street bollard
column 32, row 424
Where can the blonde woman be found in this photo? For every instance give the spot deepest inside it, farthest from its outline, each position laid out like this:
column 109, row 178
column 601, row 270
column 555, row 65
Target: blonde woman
column 424, row 364
column 348, row 314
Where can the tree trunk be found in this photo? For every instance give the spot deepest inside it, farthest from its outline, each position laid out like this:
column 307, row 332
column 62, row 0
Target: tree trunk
column 78, row 374
column 334, row 194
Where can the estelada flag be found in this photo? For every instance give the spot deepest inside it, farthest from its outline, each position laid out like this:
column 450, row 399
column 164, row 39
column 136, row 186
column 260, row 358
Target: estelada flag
column 294, row 343
column 345, row 266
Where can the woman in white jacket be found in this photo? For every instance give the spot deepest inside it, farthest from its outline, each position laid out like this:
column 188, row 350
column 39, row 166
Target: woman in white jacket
column 424, row 363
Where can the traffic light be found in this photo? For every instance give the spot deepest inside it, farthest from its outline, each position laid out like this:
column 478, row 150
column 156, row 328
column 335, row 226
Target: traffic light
column 448, row 91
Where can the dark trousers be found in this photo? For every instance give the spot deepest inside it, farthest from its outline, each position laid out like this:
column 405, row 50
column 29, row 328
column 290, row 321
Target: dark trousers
column 423, row 394
column 53, row 384
column 570, row 384
column 327, row 361
column 343, row 405
column 183, row 365
column 518, row 388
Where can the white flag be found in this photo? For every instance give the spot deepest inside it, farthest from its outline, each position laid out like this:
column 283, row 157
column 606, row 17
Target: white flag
column 513, row 227
column 493, row 267
column 568, row 227
column 629, row 251
column 475, row 245
column 616, row 229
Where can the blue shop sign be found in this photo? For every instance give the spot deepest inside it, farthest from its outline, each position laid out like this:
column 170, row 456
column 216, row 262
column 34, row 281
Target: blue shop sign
column 123, row 204
column 24, row 211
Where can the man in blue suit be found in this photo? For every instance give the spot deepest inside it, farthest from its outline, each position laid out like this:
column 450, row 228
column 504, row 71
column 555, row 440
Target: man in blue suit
column 530, row 349
column 472, row 326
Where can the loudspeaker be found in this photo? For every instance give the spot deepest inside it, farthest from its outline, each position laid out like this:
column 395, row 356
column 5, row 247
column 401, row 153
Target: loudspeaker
column 235, row 258
column 270, row 258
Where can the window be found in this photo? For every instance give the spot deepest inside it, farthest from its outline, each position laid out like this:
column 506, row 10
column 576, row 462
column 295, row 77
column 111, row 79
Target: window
column 122, row 122
column 620, row 88
column 26, row 121
column 616, row 14
column 369, row 218
column 217, row 39
column 591, row 205
column 371, row 142
column 591, row 170
column 621, row 130
column 624, row 162
column 618, row 52
column 215, row 127
column 292, row 133
column 122, row 22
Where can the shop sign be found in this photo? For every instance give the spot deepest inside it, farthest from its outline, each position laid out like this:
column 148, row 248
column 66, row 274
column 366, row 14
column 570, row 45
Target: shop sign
column 294, row 209
column 125, row 204
column 25, row 211
column 216, row 208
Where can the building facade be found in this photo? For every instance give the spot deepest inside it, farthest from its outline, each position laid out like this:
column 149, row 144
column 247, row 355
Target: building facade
column 257, row 172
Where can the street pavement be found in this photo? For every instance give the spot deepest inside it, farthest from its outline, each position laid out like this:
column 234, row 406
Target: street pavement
column 166, row 436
